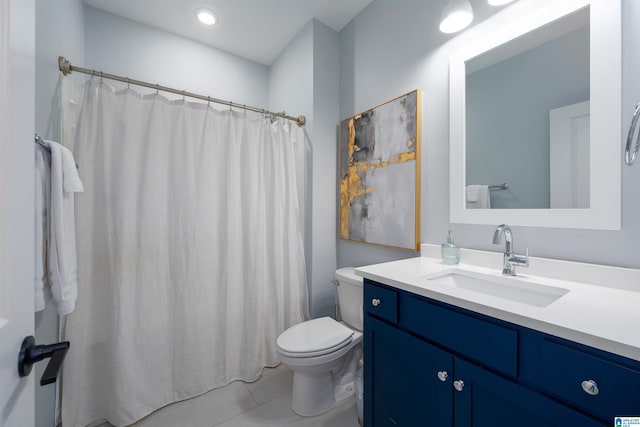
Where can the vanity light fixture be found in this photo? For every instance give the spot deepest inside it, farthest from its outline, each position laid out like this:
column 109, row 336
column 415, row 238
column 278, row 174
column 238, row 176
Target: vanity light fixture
column 498, row 2
column 456, row 16
column 206, row 17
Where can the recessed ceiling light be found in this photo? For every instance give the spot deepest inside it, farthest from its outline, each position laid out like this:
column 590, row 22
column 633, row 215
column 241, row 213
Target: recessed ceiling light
column 498, row 2
column 206, row 17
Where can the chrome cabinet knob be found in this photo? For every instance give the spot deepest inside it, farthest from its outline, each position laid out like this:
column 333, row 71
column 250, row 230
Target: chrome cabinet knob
column 443, row 375
column 375, row 302
column 458, row 385
column 590, row 387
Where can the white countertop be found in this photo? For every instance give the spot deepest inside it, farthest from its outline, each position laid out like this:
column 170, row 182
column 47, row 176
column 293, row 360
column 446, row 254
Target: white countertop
column 604, row 316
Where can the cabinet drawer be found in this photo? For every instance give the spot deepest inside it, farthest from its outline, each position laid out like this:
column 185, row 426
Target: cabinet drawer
column 380, row 302
column 489, row 344
column 563, row 371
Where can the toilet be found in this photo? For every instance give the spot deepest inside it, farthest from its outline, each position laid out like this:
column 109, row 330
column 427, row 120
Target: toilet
column 323, row 353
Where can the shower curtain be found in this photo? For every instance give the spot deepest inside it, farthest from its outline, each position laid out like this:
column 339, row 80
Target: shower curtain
column 190, row 254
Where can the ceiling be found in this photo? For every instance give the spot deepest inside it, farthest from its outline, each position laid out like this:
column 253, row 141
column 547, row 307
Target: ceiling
column 254, row 29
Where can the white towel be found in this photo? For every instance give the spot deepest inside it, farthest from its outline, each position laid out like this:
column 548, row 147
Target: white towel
column 478, row 197
column 42, row 192
column 60, row 255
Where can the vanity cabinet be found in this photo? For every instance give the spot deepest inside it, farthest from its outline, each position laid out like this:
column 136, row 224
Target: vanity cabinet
column 411, row 379
column 432, row 364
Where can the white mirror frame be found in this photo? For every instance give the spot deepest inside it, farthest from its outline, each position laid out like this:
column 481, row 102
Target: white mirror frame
column 605, row 133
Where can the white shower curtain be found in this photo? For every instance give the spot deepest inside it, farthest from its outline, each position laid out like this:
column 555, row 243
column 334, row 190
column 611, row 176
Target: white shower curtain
column 190, row 254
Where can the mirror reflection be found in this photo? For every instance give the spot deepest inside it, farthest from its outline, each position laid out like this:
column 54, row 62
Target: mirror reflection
column 527, row 120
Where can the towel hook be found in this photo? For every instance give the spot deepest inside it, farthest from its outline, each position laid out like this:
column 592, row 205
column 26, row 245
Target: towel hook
column 630, row 157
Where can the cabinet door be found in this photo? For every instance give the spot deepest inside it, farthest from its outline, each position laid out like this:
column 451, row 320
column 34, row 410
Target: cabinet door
column 407, row 381
column 484, row 399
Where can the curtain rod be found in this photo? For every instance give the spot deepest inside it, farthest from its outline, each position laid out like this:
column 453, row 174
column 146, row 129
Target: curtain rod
column 65, row 66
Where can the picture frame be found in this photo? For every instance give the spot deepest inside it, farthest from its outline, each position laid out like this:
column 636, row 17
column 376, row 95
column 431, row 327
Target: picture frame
column 379, row 174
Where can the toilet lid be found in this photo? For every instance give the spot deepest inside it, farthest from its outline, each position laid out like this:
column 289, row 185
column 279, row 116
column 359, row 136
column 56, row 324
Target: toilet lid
column 314, row 338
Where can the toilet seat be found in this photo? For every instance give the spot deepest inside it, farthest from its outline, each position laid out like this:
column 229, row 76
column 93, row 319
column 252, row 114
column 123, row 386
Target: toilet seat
column 314, row 337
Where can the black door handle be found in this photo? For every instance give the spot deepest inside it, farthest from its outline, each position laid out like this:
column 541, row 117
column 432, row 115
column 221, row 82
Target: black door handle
column 31, row 353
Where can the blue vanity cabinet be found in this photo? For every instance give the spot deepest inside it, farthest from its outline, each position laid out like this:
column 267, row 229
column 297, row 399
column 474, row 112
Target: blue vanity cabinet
column 431, row 364
column 482, row 398
column 411, row 379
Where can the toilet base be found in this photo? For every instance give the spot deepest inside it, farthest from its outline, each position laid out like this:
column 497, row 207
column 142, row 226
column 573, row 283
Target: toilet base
column 318, row 391
column 316, row 395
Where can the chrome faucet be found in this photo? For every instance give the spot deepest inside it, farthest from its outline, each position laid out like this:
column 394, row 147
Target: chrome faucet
column 510, row 259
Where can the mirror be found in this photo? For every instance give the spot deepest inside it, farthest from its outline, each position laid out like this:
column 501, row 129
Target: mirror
column 536, row 77
column 535, row 119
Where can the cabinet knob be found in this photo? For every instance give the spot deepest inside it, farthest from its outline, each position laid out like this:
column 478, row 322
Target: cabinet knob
column 458, row 385
column 590, row 387
column 375, row 302
column 443, row 375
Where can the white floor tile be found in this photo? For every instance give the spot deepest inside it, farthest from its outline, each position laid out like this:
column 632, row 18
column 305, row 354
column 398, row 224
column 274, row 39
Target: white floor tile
column 276, row 413
column 345, row 415
column 206, row 410
column 235, row 406
column 273, row 383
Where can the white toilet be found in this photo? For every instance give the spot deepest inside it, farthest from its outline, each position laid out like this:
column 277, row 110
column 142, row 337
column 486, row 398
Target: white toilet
column 324, row 354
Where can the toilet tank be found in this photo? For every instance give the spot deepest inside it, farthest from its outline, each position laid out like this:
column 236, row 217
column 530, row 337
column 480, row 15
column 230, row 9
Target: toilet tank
column 350, row 297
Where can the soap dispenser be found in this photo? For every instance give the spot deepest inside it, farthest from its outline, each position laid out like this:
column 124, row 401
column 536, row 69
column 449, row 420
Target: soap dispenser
column 449, row 251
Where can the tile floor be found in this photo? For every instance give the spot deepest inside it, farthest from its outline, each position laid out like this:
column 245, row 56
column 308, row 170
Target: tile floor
column 265, row 402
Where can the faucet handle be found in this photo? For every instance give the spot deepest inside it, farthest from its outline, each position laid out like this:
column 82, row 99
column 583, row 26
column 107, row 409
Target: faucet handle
column 521, row 260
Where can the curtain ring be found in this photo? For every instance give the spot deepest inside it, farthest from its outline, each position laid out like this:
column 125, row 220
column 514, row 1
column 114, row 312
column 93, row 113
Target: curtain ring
column 128, row 83
column 183, row 95
column 157, row 88
column 208, row 101
column 230, row 106
column 244, row 106
column 101, row 79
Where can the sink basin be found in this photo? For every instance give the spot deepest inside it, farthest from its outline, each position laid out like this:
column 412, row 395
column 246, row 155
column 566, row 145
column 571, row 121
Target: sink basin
column 508, row 288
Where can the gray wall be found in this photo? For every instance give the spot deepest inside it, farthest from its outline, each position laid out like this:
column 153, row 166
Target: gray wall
column 326, row 84
column 393, row 47
column 305, row 79
column 59, row 31
column 508, row 141
column 294, row 68
column 124, row 47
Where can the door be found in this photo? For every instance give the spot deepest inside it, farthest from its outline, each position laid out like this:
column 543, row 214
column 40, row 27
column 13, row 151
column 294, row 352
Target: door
column 569, row 167
column 16, row 206
column 407, row 381
column 482, row 399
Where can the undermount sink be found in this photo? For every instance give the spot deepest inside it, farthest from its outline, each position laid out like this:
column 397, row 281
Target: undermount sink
column 508, row 288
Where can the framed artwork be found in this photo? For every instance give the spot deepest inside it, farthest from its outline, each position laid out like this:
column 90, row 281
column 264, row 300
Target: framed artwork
column 379, row 167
